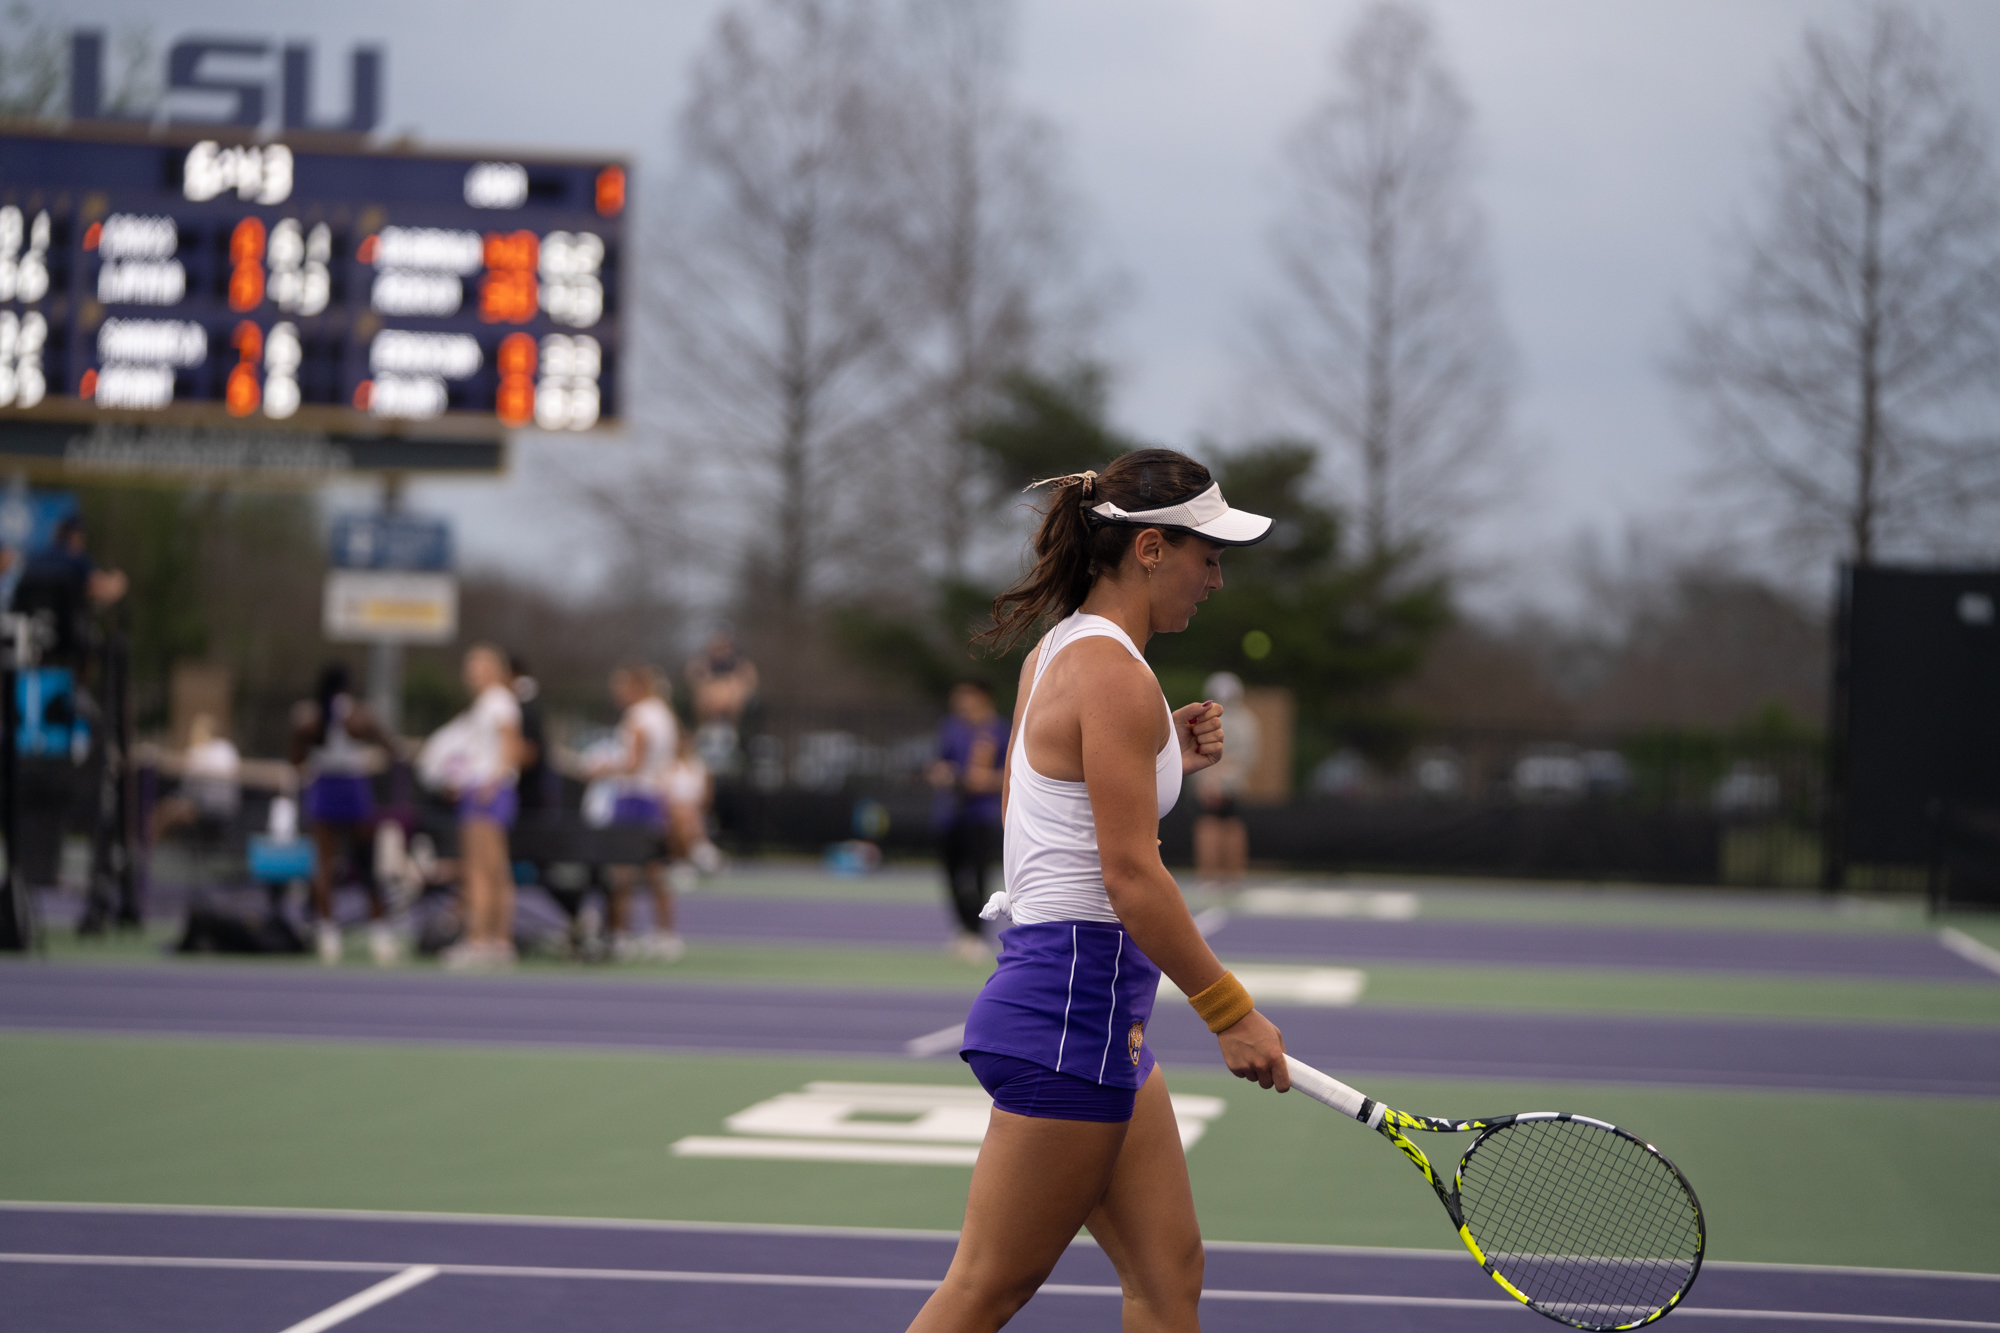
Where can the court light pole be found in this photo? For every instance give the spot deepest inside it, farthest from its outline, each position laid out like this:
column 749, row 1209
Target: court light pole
column 385, row 656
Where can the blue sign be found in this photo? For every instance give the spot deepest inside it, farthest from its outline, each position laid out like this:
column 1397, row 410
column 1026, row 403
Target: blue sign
column 391, row 541
column 45, row 702
column 28, row 519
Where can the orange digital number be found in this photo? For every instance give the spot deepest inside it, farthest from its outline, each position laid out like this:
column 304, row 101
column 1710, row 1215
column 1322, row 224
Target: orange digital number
column 243, row 393
column 246, row 243
column 508, row 293
column 611, row 191
column 508, row 297
column 246, row 252
column 515, row 403
column 518, row 354
column 516, row 400
column 246, row 287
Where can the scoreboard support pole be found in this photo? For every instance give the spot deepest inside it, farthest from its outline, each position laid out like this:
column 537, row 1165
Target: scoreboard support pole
column 385, row 659
column 17, row 929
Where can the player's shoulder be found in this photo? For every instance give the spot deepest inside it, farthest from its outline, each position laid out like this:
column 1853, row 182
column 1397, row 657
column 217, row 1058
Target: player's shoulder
column 1103, row 669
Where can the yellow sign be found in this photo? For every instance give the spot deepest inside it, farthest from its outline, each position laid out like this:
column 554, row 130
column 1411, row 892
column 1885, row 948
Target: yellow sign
column 389, row 606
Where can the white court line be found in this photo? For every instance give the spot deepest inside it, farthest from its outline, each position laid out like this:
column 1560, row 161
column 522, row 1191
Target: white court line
column 1455, row 1256
column 826, row 1150
column 935, row 1043
column 1211, row 919
column 386, row 1290
column 410, row 1277
column 1971, row 950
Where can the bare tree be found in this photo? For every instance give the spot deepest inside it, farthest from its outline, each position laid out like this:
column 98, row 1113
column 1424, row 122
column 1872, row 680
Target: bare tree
column 1844, row 372
column 771, row 304
column 34, row 66
column 984, row 235
column 1386, row 337
column 33, row 73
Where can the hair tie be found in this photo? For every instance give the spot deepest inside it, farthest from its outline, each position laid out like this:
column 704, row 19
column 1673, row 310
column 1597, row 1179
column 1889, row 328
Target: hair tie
column 1086, row 482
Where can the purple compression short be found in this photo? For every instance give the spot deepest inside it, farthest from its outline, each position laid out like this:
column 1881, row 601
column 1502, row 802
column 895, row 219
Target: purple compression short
column 1072, row 996
column 1026, row 1088
column 499, row 807
column 642, row 810
column 340, row 798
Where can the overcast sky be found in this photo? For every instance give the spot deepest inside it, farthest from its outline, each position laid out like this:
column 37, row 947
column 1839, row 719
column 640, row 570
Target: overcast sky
column 1617, row 140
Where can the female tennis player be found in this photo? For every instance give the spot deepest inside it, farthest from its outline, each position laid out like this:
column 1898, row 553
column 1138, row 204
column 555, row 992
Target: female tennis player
column 1082, row 1131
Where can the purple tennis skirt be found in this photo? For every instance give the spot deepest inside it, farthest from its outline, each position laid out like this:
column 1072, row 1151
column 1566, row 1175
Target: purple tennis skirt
column 1072, row 996
column 498, row 806
column 340, row 798
column 639, row 809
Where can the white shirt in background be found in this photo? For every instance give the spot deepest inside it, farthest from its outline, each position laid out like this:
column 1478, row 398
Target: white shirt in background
column 208, row 777
column 495, row 710
column 651, row 724
column 687, row 782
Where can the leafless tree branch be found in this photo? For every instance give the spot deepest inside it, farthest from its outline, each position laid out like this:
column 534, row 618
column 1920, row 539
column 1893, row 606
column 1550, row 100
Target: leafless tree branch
column 1848, row 375
column 1386, row 337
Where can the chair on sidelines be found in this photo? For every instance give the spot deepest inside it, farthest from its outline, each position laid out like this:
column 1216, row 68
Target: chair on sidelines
column 1964, row 869
column 566, row 857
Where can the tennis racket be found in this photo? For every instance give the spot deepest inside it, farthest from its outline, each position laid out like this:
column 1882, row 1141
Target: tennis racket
column 1573, row 1217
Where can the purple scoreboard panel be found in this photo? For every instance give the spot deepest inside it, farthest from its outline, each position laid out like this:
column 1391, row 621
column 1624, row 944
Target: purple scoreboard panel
column 405, row 307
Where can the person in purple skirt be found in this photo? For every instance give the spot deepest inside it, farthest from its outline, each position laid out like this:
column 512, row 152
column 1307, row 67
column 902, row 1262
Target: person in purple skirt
column 965, row 805
column 1082, row 1131
column 487, row 805
column 339, row 747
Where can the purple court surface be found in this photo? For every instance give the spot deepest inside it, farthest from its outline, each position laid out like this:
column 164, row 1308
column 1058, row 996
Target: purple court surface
column 298, row 1001
column 170, row 1270
column 1518, row 944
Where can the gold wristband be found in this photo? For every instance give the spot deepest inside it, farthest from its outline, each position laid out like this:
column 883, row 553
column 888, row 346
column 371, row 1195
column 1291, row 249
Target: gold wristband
column 1224, row 1004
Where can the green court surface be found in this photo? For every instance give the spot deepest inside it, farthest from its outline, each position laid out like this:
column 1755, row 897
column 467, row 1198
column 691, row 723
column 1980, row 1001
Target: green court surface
column 1468, row 986
column 1789, row 1177
column 1570, row 903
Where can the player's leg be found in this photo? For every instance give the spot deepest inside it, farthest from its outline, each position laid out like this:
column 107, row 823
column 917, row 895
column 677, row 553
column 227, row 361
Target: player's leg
column 1146, row 1220
column 619, row 895
column 1208, row 850
column 326, row 854
column 1236, row 847
column 663, row 897
column 953, row 854
column 475, row 876
column 1033, row 1185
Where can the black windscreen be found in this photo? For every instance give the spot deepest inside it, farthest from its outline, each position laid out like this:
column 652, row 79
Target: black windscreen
column 1923, row 705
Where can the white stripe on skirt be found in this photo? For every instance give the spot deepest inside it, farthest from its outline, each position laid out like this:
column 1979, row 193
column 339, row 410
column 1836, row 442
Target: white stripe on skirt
column 1111, row 1019
column 1068, row 998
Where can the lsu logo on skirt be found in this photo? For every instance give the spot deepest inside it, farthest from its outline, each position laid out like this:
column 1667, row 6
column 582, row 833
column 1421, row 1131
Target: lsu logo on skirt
column 1135, row 1039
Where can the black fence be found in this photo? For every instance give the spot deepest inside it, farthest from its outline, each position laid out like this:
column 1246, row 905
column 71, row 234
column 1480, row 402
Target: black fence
column 1682, row 807
column 1664, row 806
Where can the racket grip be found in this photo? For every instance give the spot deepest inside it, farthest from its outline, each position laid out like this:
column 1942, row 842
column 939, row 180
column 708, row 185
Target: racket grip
column 1331, row 1091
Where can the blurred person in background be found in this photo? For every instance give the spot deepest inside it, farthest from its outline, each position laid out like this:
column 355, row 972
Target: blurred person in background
column 723, row 683
column 338, row 746
column 67, row 562
column 539, row 784
column 1221, row 842
column 210, row 792
column 690, row 791
column 972, row 749
column 66, row 584
column 490, row 742
column 647, row 743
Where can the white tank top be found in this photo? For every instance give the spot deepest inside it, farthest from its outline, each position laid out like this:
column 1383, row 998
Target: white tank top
column 1053, row 871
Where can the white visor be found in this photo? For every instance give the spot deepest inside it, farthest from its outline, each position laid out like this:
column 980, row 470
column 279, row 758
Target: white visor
column 1207, row 515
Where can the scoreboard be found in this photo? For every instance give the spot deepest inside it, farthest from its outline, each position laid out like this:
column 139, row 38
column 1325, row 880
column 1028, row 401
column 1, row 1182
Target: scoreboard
column 195, row 286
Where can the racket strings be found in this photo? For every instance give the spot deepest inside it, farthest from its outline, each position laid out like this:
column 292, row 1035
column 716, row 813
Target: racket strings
column 1588, row 1224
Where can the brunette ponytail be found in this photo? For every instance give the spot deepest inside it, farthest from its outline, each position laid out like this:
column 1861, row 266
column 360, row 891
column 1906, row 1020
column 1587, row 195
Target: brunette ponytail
column 1073, row 548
